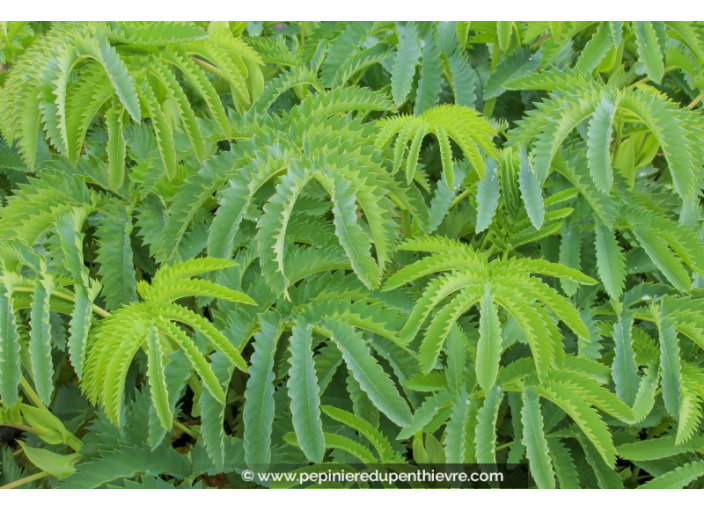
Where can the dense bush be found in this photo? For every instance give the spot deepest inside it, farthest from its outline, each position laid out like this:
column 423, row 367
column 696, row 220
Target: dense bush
column 236, row 245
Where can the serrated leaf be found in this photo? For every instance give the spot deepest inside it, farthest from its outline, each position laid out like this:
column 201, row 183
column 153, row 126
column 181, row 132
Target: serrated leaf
column 157, row 378
column 610, row 261
column 677, row 478
column 535, row 442
column 304, row 392
column 649, row 50
column 406, row 60
column 624, row 370
column 490, row 341
column 599, row 142
column 372, row 379
column 10, row 369
column 531, row 193
column 487, row 196
column 259, row 406
column 485, row 437
column 670, row 365
column 40, row 340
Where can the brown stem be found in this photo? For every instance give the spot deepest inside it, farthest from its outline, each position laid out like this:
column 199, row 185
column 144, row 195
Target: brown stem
column 26, row 479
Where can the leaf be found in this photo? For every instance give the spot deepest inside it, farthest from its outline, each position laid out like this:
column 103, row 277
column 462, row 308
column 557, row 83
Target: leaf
column 117, row 147
column 503, row 31
column 127, row 462
column 565, row 469
column 624, row 370
column 670, row 365
column 366, row 429
column 177, row 371
column 370, row 376
column 487, row 196
column 195, row 357
column 456, row 360
column 598, row 143
column 570, row 253
column 571, row 400
column 68, row 227
column 593, row 393
column 645, row 398
column 485, row 437
column 10, row 369
column 115, row 256
column 274, row 223
column 157, row 378
column 490, row 341
column 353, row 239
column 516, row 65
column 658, row 448
column 117, row 72
column 425, row 413
column 464, row 79
column 80, row 326
column 677, row 478
column 259, row 406
column 304, row 392
column 213, row 414
column 406, row 60
column 649, row 50
column 596, row 49
column 535, row 442
column 40, row 340
column 531, row 193
column 441, row 326
column 456, row 441
column 345, row 444
column 162, row 130
column 663, row 258
column 430, row 82
column 58, row 466
column 610, row 261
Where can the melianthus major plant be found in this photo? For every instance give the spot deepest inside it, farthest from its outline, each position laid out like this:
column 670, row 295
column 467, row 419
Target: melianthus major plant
column 243, row 245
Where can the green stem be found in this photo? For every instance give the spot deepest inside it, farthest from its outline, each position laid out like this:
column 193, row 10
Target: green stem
column 495, row 58
column 31, row 394
column 406, row 224
column 636, row 316
column 26, row 479
column 504, row 446
column 186, row 430
column 67, row 297
column 460, row 197
column 21, row 427
column 696, row 100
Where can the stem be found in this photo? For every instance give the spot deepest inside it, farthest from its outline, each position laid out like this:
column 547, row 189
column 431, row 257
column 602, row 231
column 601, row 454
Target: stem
column 635, row 316
column 26, row 479
column 504, row 446
column 695, row 101
column 67, row 297
column 32, row 395
column 495, row 58
column 186, row 430
column 642, row 80
column 460, row 197
column 484, row 241
column 71, row 440
column 406, row 223
column 209, row 67
column 540, row 41
column 21, row 427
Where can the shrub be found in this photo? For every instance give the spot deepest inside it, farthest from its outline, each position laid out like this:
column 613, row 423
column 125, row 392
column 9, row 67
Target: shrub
column 234, row 246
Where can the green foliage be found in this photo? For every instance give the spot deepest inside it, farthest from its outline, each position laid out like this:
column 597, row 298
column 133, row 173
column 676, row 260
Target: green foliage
column 230, row 246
